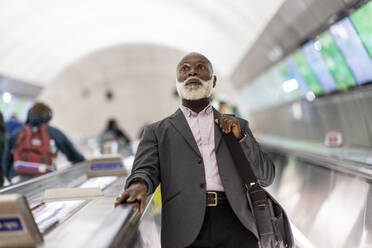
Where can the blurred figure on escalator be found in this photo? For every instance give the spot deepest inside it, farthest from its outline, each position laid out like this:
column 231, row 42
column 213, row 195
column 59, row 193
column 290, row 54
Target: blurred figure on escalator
column 2, row 144
column 113, row 139
column 229, row 109
column 13, row 124
column 31, row 150
column 225, row 108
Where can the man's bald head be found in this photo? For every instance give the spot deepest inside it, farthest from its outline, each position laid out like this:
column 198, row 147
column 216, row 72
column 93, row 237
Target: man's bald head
column 196, row 56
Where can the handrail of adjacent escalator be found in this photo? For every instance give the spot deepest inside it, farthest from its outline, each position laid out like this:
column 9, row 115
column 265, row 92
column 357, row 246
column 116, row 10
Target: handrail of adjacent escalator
column 47, row 179
column 346, row 166
column 117, row 230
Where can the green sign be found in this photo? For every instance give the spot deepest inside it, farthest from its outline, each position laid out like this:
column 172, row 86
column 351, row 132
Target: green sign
column 335, row 61
column 295, row 94
column 309, row 76
column 362, row 20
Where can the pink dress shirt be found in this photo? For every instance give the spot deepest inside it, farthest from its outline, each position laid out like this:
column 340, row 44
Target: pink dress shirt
column 202, row 127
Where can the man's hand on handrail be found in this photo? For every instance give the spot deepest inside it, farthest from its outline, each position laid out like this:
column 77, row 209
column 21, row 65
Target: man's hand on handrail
column 135, row 193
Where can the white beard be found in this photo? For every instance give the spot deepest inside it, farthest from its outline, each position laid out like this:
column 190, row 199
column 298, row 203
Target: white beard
column 195, row 92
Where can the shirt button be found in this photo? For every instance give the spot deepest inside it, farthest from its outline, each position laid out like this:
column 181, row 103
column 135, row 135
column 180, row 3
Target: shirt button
column 202, row 185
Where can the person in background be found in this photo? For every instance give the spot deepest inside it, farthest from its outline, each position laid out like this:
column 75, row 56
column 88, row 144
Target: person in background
column 113, row 139
column 36, row 140
column 236, row 111
column 225, row 108
column 13, row 124
column 2, row 144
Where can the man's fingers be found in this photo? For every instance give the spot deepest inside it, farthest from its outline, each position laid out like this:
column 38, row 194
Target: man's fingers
column 131, row 199
column 133, row 194
column 121, row 198
column 142, row 204
column 124, row 195
column 229, row 124
column 225, row 125
column 229, row 128
column 140, row 199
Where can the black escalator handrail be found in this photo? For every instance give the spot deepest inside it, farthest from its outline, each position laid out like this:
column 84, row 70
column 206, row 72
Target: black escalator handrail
column 120, row 228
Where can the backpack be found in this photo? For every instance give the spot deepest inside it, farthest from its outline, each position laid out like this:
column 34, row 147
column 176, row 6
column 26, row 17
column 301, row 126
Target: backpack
column 33, row 154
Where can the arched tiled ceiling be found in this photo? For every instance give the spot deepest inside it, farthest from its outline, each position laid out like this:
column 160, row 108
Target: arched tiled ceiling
column 39, row 38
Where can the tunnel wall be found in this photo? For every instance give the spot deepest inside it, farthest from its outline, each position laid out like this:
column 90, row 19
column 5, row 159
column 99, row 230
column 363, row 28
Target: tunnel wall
column 142, row 80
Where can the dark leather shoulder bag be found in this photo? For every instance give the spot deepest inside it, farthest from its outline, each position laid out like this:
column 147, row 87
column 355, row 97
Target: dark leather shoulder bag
column 272, row 222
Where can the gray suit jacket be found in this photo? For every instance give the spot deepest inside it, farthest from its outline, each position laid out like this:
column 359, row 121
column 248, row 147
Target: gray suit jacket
column 168, row 154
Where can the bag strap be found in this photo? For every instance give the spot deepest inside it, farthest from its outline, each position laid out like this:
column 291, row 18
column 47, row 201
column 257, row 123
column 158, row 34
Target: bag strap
column 241, row 162
column 45, row 139
column 25, row 137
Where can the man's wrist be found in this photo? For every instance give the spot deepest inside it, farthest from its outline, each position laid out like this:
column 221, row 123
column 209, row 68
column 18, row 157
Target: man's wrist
column 139, row 181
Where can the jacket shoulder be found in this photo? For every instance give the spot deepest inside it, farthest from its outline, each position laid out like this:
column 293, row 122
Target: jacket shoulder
column 159, row 124
column 243, row 121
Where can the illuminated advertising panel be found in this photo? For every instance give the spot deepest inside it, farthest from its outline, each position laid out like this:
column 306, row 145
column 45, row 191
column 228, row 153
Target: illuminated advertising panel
column 317, row 64
column 353, row 50
column 335, row 61
column 290, row 85
column 274, row 78
column 307, row 73
column 363, row 25
column 295, row 74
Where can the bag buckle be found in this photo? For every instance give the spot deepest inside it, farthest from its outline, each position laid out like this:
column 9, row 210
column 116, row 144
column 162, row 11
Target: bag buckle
column 215, row 199
column 248, row 186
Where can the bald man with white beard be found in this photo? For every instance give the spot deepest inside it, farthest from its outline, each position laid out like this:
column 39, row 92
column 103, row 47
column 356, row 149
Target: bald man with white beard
column 203, row 199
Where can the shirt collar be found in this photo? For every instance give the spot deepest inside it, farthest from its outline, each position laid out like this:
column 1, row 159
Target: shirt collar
column 188, row 112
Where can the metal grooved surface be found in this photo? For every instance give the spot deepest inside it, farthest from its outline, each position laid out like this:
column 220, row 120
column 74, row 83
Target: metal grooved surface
column 330, row 208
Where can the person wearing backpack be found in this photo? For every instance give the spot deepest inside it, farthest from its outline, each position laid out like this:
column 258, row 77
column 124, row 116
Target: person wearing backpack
column 31, row 150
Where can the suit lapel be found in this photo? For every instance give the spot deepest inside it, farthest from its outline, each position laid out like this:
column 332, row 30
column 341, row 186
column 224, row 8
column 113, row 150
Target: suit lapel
column 217, row 130
column 179, row 121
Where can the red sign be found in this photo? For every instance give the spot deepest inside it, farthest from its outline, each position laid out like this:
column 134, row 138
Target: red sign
column 333, row 139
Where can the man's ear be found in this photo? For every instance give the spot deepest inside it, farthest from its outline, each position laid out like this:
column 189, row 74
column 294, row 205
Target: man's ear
column 214, row 80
